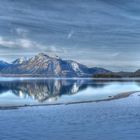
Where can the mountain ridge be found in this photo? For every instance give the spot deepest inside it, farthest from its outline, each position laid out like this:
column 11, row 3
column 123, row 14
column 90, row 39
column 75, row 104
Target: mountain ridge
column 43, row 65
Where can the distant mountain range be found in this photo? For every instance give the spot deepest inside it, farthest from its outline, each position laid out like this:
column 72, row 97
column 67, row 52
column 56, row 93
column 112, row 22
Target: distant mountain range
column 42, row 65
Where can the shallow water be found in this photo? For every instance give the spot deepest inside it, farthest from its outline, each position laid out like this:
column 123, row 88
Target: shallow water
column 114, row 113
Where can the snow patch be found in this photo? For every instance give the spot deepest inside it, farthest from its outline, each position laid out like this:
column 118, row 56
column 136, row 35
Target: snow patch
column 75, row 66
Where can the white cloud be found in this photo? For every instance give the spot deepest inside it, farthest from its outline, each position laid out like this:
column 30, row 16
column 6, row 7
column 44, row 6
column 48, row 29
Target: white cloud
column 114, row 54
column 22, row 32
column 28, row 45
column 25, row 43
column 6, row 43
column 70, row 34
column 19, row 43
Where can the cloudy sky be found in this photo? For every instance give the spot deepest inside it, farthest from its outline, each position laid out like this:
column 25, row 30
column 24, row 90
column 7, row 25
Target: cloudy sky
column 103, row 33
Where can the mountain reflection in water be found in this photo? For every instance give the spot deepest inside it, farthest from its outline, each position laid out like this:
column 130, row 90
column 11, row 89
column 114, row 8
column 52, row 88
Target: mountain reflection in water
column 53, row 90
column 42, row 90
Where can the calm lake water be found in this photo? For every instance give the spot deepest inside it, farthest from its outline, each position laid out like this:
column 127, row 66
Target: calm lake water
column 81, row 109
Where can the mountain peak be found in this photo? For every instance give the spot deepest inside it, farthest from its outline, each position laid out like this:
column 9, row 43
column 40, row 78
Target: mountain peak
column 20, row 60
column 44, row 55
column 41, row 56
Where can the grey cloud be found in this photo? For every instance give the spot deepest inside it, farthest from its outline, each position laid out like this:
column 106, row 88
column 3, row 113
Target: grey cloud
column 98, row 32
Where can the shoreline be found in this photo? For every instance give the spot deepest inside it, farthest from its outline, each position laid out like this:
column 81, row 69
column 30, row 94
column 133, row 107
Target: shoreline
column 10, row 78
column 110, row 98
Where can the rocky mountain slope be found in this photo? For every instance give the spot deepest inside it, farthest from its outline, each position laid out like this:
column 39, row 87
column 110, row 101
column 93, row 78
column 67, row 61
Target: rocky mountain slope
column 44, row 65
column 3, row 64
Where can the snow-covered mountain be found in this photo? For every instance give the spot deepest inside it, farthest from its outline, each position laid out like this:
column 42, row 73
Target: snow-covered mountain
column 20, row 60
column 44, row 65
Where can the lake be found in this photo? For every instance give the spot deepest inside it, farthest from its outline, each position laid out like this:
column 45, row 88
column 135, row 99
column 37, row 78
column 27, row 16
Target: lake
column 68, row 109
